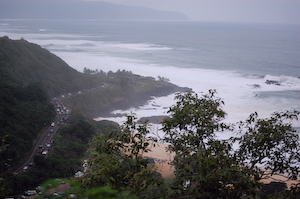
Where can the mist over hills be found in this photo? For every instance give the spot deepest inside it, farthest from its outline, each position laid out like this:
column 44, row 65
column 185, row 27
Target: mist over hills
column 30, row 75
column 47, row 9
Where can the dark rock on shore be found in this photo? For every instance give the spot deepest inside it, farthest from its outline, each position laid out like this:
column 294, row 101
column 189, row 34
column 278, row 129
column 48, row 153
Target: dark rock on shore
column 255, row 86
column 277, row 83
column 153, row 119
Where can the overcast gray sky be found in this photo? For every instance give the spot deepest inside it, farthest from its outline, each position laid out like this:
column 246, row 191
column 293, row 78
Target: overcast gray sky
column 275, row 11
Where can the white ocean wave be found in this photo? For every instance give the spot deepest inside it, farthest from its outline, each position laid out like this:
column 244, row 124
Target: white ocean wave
column 139, row 46
column 243, row 94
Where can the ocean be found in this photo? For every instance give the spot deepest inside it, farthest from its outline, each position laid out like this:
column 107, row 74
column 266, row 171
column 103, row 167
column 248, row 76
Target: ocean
column 235, row 59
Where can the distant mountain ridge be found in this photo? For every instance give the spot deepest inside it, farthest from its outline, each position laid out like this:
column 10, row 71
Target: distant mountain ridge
column 49, row 9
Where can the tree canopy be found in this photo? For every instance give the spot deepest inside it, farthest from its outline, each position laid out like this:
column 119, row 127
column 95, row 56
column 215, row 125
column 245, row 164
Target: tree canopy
column 117, row 162
column 206, row 167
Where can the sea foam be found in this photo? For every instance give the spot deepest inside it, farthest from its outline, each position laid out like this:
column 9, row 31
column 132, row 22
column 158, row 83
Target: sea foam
column 242, row 94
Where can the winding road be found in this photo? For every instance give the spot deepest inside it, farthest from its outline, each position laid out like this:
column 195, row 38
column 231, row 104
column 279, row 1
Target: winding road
column 46, row 139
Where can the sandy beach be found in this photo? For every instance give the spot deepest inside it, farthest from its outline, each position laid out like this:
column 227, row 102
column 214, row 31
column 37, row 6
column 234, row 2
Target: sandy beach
column 279, row 178
column 163, row 159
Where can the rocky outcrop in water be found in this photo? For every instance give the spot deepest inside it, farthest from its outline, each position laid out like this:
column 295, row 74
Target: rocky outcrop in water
column 275, row 82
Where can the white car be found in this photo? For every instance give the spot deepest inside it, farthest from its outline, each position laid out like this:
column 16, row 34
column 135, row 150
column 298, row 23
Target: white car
column 25, row 168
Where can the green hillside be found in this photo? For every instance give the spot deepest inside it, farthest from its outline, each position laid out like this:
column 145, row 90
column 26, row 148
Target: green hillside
column 23, row 113
column 120, row 90
column 23, row 63
column 30, row 76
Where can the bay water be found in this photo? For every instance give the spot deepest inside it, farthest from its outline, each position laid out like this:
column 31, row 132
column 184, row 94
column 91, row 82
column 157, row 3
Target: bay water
column 235, row 59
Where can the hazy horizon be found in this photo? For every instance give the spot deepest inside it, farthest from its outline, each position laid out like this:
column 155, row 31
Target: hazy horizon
column 253, row 11
column 257, row 11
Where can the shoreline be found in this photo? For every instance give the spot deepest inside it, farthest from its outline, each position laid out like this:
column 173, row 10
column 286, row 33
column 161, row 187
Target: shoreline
column 163, row 159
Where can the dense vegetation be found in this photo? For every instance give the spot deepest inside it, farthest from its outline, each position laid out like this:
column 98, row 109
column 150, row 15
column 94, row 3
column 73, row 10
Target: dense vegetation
column 29, row 75
column 120, row 90
column 117, row 162
column 205, row 167
column 24, row 63
column 23, row 113
column 70, row 147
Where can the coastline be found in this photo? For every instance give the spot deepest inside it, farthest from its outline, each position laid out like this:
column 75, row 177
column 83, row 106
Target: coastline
column 163, row 159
